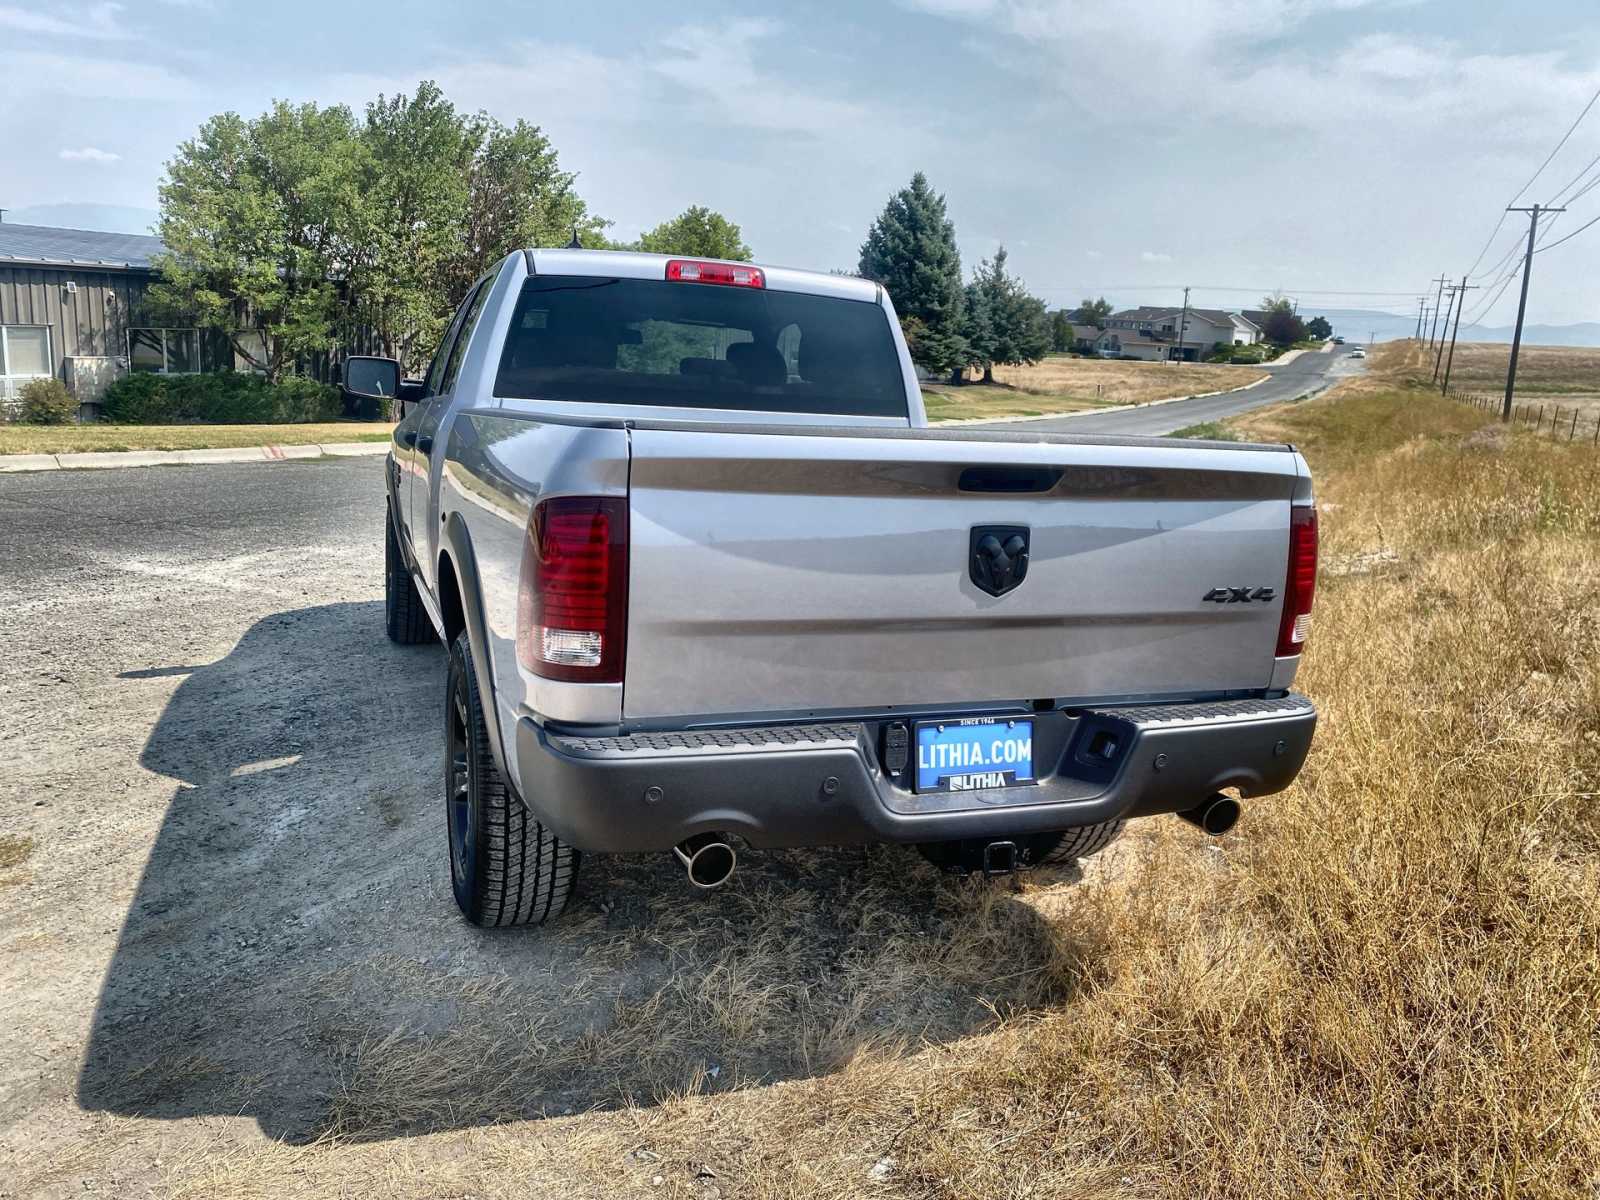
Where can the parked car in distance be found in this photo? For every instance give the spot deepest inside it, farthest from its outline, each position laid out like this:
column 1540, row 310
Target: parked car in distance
column 706, row 577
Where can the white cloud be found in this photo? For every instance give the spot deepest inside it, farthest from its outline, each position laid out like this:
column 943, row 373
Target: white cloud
column 1154, row 256
column 1096, row 255
column 89, row 154
column 94, row 21
column 1237, row 61
column 698, row 72
column 37, row 73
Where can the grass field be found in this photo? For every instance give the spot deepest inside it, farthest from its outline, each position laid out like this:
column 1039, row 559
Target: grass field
column 1062, row 383
column 1541, row 370
column 1384, row 983
column 64, row 439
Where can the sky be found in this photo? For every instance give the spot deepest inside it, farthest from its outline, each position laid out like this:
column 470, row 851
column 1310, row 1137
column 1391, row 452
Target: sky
column 1344, row 152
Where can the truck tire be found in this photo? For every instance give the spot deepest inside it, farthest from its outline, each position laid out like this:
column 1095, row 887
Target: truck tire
column 404, row 616
column 1068, row 844
column 505, row 867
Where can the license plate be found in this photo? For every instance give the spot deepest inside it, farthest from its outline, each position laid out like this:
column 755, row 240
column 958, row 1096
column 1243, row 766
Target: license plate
column 974, row 754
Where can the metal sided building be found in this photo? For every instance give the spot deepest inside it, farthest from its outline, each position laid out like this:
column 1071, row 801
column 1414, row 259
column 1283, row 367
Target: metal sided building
column 68, row 305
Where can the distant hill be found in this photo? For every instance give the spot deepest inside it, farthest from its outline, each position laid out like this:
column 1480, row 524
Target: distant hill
column 1357, row 325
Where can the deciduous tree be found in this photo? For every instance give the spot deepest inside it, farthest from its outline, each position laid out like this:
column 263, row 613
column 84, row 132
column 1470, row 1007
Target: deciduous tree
column 1282, row 327
column 414, row 202
column 257, row 219
column 1092, row 312
column 699, row 232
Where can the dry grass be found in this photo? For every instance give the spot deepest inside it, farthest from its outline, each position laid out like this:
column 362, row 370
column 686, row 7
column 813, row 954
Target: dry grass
column 1061, row 383
column 1386, row 983
column 1541, row 370
column 14, row 850
column 65, row 439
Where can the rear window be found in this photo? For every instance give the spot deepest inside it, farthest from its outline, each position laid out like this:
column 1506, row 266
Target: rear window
column 599, row 340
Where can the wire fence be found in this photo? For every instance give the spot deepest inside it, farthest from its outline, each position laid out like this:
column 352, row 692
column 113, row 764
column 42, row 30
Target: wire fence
column 1561, row 424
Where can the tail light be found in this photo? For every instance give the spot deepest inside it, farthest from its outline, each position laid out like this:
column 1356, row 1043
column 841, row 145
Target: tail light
column 1301, row 583
column 688, row 270
column 572, row 606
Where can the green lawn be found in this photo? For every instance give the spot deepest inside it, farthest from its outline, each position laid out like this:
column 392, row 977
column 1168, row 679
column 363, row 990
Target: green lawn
column 65, row 439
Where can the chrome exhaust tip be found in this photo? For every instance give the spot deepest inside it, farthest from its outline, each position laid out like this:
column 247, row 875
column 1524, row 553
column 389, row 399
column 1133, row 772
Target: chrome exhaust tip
column 1215, row 815
column 708, row 859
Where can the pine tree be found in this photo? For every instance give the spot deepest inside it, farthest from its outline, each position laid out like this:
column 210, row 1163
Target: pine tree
column 978, row 327
column 911, row 251
column 1014, row 327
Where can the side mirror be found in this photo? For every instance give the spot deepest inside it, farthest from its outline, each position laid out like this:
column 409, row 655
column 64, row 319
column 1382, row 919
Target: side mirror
column 368, row 376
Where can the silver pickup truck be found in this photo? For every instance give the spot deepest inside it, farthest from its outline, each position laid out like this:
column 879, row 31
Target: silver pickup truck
column 707, row 577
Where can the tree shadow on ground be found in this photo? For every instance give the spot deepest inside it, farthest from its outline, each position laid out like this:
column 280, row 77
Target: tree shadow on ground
column 293, row 953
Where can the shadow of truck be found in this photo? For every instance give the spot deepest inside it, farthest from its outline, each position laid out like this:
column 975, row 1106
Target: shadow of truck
column 293, row 953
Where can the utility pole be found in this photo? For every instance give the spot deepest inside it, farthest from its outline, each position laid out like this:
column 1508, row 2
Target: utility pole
column 1438, row 359
column 1522, row 304
column 1441, row 281
column 1464, row 288
column 1422, row 308
column 1183, row 323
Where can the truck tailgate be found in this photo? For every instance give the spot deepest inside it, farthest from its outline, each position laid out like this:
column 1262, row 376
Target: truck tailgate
column 792, row 573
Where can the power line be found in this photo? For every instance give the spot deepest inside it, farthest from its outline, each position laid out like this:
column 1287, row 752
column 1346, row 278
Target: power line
column 1506, row 259
column 1495, row 232
column 1593, row 162
column 1557, row 150
column 1522, row 305
column 1483, row 309
column 1434, row 327
column 1444, row 388
column 1569, row 236
column 1207, row 287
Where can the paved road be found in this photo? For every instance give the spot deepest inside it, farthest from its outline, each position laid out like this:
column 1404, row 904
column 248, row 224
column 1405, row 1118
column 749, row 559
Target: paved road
column 1308, row 373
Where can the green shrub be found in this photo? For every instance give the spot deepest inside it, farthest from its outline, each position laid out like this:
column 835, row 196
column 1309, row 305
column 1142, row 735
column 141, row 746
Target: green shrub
column 46, row 402
column 223, row 397
column 134, row 399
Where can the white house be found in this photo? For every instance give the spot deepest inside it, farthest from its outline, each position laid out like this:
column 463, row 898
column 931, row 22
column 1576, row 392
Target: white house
column 1159, row 334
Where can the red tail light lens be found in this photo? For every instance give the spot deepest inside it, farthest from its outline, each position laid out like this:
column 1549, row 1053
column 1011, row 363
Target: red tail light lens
column 572, row 606
column 1301, row 584
column 688, row 270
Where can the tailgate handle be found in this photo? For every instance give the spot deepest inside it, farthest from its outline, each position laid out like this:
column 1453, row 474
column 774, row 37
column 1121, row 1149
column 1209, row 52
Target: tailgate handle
column 1009, row 479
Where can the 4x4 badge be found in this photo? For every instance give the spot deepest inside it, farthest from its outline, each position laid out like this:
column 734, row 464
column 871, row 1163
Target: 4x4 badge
column 1238, row 595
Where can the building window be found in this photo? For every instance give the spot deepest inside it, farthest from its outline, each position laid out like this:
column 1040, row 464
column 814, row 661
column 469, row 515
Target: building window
column 164, row 351
column 24, row 355
column 250, row 344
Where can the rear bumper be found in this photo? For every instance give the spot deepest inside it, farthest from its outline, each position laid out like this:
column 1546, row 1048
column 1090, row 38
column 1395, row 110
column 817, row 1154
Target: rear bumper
column 824, row 784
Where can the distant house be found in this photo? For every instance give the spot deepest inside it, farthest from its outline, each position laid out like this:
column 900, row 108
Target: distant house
column 1084, row 338
column 70, row 302
column 1159, row 334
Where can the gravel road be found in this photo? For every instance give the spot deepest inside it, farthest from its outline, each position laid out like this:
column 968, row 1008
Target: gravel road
column 237, row 895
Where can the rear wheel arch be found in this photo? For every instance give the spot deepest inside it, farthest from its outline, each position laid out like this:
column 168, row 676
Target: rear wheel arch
column 461, row 611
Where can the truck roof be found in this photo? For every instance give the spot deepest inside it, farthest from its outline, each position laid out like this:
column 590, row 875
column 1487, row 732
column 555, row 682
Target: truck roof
column 634, row 264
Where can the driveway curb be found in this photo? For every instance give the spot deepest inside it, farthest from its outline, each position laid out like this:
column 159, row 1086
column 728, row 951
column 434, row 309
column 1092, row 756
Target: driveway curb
column 108, row 459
